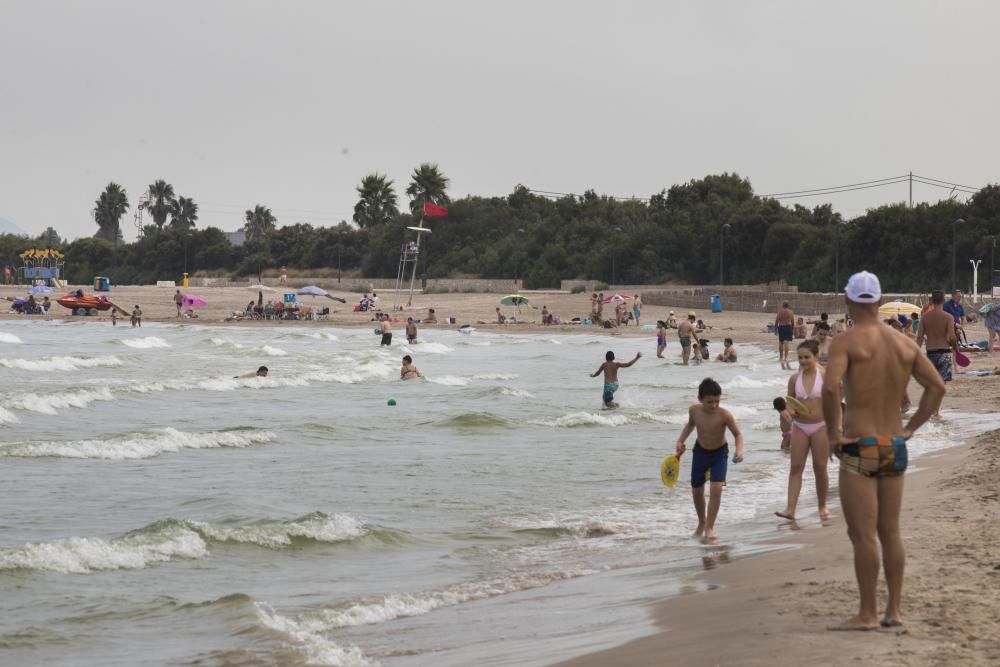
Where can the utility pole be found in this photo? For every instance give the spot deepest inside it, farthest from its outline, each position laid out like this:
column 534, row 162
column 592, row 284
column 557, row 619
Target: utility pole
column 911, row 189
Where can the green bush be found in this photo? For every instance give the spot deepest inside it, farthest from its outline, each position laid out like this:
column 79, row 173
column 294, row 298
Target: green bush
column 578, row 289
column 436, row 290
column 600, row 287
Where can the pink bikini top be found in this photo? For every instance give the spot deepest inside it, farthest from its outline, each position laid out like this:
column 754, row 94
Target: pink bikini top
column 817, row 389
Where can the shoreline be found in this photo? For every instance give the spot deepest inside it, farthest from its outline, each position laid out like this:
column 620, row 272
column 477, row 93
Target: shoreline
column 773, row 609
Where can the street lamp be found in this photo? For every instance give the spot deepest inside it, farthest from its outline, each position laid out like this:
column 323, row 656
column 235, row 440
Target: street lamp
column 722, row 238
column 519, row 234
column 836, row 261
column 954, row 238
column 614, row 252
column 975, row 279
column 993, row 253
column 340, row 236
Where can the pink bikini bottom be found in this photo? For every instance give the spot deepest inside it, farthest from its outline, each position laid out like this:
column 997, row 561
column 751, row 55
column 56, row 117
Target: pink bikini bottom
column 809, row 428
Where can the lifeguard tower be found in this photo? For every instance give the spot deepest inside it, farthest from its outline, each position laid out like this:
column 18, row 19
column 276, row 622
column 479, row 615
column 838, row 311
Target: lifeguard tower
column 42, row 266
column 409, row 254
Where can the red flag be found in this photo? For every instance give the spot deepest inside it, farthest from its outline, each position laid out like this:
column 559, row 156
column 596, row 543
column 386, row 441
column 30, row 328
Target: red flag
column 434, row 211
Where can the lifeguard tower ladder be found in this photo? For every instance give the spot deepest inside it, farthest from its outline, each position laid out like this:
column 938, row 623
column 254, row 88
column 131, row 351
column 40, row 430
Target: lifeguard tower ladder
column 409, row 255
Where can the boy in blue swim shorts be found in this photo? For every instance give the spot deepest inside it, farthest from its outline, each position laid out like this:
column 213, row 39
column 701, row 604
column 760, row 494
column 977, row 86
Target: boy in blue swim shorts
column 610, row 369
column 711, row 453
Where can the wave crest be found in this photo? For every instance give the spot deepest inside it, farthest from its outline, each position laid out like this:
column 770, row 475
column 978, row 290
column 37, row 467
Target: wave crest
column 51, row 364
column 138, row 445
column 146, row 342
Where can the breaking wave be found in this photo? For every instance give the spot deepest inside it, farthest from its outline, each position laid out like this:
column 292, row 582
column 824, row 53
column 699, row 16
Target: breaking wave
column 9, row 338
column 50, row 404
column 51, row 364
column 146, row 342
column 137, row 445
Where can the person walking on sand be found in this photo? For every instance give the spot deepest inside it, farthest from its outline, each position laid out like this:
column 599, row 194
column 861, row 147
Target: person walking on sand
column 685, row 332
column 808, row 432
column 610, row 369
column 636, row 308
column 136, row 316
column 178, row 301
column 784, row 326
column 711, row 453
column 874, row 364
column 938, row 329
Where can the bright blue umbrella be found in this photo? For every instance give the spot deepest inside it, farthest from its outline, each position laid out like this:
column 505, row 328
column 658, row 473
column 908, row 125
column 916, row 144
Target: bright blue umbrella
column 40, row 289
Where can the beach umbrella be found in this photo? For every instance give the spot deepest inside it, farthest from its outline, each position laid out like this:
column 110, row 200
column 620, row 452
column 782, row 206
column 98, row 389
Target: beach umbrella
column 513, row 300
column 192, row 301
column 617, row 297
column 894, row 308
column 40, row 289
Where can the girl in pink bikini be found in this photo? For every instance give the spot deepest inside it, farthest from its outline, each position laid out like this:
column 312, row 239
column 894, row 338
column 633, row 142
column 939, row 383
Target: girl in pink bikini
column 808, row 431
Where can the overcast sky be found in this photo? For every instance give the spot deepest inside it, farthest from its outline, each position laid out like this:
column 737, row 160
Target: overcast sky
column 290, row 104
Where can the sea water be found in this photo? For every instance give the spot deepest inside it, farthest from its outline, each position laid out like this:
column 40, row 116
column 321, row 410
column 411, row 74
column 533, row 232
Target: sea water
column 159, row 510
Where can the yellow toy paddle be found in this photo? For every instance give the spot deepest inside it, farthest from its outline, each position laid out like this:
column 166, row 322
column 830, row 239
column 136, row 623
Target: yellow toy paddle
column 797, row 406
column 670, row 470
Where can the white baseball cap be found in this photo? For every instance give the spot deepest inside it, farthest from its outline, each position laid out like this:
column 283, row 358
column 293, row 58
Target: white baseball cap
column 863, row 287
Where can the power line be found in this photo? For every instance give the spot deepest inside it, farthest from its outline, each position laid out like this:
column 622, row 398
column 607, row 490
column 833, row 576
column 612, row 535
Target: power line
column 928, row 178
column 831, row 191
column 894, row 179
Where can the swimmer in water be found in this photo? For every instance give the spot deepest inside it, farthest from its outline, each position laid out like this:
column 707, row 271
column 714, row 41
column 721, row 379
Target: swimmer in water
column 259, row 373
column 408, row 371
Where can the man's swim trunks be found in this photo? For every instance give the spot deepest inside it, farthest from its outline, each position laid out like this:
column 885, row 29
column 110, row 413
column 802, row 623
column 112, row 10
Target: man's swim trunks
column 942, row 362
column 609, row 391
column 685, row 341
column 703, row 459
column 874, row 457
column 785, row 333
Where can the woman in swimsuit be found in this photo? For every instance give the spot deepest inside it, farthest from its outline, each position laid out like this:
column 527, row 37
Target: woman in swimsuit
column 823, row 341
column 808, row 431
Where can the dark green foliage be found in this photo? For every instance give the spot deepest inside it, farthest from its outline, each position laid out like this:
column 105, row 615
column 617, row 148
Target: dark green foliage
column 674, row 236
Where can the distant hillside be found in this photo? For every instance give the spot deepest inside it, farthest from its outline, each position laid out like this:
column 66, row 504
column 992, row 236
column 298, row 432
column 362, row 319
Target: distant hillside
column 8, row 227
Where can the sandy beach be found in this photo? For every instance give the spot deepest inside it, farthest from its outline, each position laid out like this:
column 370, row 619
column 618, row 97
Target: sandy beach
column 771, row 609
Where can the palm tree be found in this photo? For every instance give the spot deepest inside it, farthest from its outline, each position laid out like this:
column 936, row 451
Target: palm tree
column 183, row 213
column 108, row 210
column 377, row 204
column 426, row 184
column 161, row 198
column 260, row 221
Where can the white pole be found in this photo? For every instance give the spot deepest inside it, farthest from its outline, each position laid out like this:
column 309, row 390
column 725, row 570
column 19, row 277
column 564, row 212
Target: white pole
column 975, row 279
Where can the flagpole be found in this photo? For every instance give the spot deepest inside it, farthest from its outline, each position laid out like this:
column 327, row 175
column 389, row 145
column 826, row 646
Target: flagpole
column 413, row 274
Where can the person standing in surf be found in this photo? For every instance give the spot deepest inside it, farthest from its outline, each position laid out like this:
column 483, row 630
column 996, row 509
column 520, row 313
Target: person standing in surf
column 784, row 327
column 808, row 432
column 711, row 453
column 610, row 369
column 873, row 363
column 938, row 329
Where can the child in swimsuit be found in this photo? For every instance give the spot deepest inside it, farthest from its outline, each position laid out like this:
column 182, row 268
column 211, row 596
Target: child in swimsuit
column 785, row 422
column 661, row 338
column 711, row 452
column 808, row 431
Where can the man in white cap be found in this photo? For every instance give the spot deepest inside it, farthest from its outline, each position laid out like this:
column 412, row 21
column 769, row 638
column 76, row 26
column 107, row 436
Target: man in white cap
column 874, row 363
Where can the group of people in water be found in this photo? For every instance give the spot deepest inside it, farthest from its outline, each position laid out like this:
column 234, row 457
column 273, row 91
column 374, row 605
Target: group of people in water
column 848, row 398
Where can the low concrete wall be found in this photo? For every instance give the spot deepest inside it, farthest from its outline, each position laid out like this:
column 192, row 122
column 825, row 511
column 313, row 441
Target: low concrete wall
column 756, row 301
column 371, row 284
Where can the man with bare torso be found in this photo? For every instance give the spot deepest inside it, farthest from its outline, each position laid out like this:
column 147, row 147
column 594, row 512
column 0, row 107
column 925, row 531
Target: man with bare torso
column 874, row 363
column 685, row 332
column 784, row 327
column 610, row 369
column 937, row 328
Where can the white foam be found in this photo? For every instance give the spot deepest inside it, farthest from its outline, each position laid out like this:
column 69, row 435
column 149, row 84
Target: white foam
column 515, row 393
column 9, row 338
column 400, row 605
column 50, row 404
column 608, row 418
column 434, row 348
column 744, row 382
column 449, row 380
column 222, row 342
column 273, row 351
column 137, row 445
column 275, row 534
column 146, row 342
column 7, row 417
column 494, row 376
column 322, row 335
column 61, row 364
column 317, row 649
column 79, row 555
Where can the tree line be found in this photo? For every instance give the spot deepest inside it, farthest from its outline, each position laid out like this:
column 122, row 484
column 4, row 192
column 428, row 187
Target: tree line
column 676, row 235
